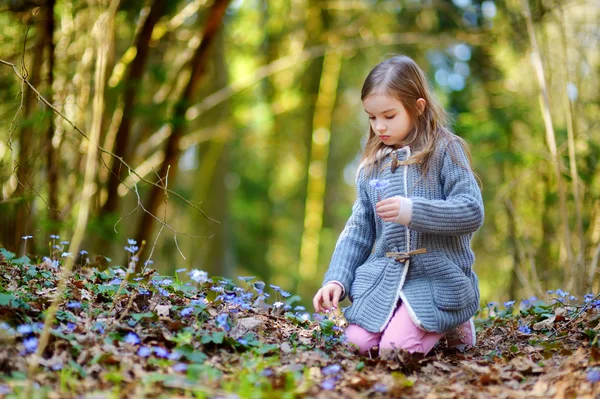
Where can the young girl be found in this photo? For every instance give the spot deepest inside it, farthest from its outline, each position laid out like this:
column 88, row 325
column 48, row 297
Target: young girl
column 404, row 257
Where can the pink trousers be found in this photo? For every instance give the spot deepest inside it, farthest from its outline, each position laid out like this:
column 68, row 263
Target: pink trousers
column 400, row 333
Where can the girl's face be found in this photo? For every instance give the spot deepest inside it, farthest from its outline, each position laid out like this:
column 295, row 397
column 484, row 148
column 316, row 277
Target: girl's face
column 389, row 119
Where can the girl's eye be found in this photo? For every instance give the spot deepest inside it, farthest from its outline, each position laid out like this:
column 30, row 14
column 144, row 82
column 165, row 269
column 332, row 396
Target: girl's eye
column 371, row 118
column 390, row 117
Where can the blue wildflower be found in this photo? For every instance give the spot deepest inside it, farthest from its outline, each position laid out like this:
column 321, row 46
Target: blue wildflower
column 180, row 270
column 161, row 352
column 379, row 387
column 57, row 366
column 163, row 292
column 379, row 184
column 199, row 276
column 54, row 236
column 148, row 262
column 242, row 341
column 83, row 252
column 525, row 329
column 131, row 241
column 333, row 369
column 132, row 339
column 299, row 308
column 5, row 389
column 144, row 351
column 65, row 254
column 222, row 321
column 74, row 305
column 165, row 282
column 572, row 298
column 143, row 291
column 259, row 285
column 175, row 355
column 180, row 367
column 99, row 327
column 24, row 329
column 267, row 372
column 186, row 312
column 508, row 304
column 115, row 281
column 561, row 293
column 328, row 384
column 593, row 375
column 285, row 294
column 247, row 278
column 30, row 344
column 71, row 326
column 275, row 287
column 64, row 243
column 587, row 298
column 132, row 249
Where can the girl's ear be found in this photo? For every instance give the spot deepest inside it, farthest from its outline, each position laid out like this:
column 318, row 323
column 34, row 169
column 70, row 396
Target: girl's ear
column 421, row 103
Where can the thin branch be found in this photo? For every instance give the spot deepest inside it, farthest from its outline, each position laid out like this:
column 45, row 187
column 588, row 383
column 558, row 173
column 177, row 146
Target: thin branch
column 100, row 148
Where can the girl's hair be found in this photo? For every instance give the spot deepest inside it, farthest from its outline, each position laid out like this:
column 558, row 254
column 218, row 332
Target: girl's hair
column 401, row 78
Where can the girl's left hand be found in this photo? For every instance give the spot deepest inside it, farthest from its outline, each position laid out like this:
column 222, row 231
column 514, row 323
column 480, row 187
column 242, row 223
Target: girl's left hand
column 389, row 208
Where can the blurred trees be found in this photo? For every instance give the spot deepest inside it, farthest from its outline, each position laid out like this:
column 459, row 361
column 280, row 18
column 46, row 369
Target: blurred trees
column 253, row 110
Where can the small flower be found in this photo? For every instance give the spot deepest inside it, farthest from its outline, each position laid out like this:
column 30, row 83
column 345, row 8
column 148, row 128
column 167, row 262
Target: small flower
column 26, row 237
column 329, row 384
column 54, row 236
column 299, row 308
column 222, row 321
column 24, row 329
column 134, row 258
column 115, row 281
column 144, row 351
column 131, row 241
column 148, row 262
column 65, row 254
column 275, row 287
column 572, row 298
column 143, row 291
column 99, row 328
column 242, row 341
column 278, row 304
column 247, row 278
column 83, row 252
column 267, row 372
column 186, row 312
column 333, row 369
column 550, row 292
column 379, row 184
column 587, row 298
column 57, row 366
column 64, row 243
column 132, row 339
column 285, row 294
column 30, row 344
column 74, row 305
column 161, row 352
column 199, row 276
column 525, row 329
column 593, row 375
column 180, row 367
column 132, row 249
column 71, row 326
column 119, row 272
column 166, row 282
column 163, row 292
column 180, row 270
column 509, row 304
column 175, row 355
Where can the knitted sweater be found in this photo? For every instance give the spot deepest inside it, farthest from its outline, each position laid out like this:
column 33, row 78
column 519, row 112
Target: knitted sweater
column 439, row 287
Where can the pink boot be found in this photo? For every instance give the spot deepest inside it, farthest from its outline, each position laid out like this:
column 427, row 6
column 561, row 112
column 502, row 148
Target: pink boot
column 462, row 336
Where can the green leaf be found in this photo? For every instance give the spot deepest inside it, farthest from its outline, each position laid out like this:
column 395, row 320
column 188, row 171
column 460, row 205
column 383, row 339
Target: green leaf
column 7, row 254
column 360, row 365
column 22, row 260
column 196, row 357
column 32, row 271
column 217, row 337
column 514, row 349
column 140, row 316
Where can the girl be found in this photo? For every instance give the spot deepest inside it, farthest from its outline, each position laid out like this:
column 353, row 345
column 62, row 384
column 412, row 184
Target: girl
column 404, row 257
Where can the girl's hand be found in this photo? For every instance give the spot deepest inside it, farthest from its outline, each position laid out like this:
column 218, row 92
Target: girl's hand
column 327, row 297
column 389, row 209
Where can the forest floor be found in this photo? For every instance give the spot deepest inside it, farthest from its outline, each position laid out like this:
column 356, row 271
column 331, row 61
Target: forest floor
column 149, row 336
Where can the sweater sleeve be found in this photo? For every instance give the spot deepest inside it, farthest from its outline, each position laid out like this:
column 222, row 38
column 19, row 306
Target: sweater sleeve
column 355, row 242
column 461, row 210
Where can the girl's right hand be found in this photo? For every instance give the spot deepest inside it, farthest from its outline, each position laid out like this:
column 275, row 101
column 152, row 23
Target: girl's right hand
column 327, row 297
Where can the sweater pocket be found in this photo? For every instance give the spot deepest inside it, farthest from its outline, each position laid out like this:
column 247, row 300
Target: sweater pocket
column 452, row 289
column 366, row 277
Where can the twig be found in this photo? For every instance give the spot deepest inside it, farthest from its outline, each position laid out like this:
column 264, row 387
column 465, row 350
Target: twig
column 100, row 148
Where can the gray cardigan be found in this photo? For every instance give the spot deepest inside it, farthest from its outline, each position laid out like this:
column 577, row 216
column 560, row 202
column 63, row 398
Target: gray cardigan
column 438, row 287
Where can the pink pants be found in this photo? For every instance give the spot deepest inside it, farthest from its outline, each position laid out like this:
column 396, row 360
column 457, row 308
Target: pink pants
column 400, row 333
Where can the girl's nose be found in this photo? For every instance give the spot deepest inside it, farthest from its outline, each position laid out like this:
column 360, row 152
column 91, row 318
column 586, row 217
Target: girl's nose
column 380, row 127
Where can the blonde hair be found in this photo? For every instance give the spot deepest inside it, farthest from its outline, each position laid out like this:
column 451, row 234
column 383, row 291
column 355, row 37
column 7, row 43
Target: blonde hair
column 401, row 78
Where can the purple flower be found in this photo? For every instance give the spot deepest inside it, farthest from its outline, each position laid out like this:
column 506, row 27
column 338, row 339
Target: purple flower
column 163, row 292
column 115, row 281
column 333, row 369
column 83, row 252
column 587, row 298
column 561, row 293
column 180, row 367
column 74, row 305
column 328, row 384
column 222, row 321
column 242, row 341
column 131, row 241
column 285, row 294
column 593, row 375
column 144, row 351
column 199, row 276
column 525, row 329
column 5, row 389
column 132, row 339
column 99, row 327
column 132, row 249
column 71, row 326
column 54, row 236
column 379, row 387
column 175, row 355
column 24, row 329
column 186, row 312
column 143, row 291
column 57, row 366
column 509, row 304
column 275, row 287
column 161, row 352
column 267, row 372
column 379, row 184
column 30, row 344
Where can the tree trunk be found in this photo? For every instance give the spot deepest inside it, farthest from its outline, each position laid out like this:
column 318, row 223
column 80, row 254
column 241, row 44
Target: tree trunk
column 197, row 63
column 131, row 84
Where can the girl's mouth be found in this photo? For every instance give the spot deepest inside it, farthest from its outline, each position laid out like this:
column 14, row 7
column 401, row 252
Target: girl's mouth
column 384, row 137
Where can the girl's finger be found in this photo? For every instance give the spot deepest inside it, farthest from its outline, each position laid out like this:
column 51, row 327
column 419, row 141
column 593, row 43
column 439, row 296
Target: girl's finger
column 316, row 301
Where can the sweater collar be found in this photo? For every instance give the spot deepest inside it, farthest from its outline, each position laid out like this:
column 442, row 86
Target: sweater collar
column 385, row 151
